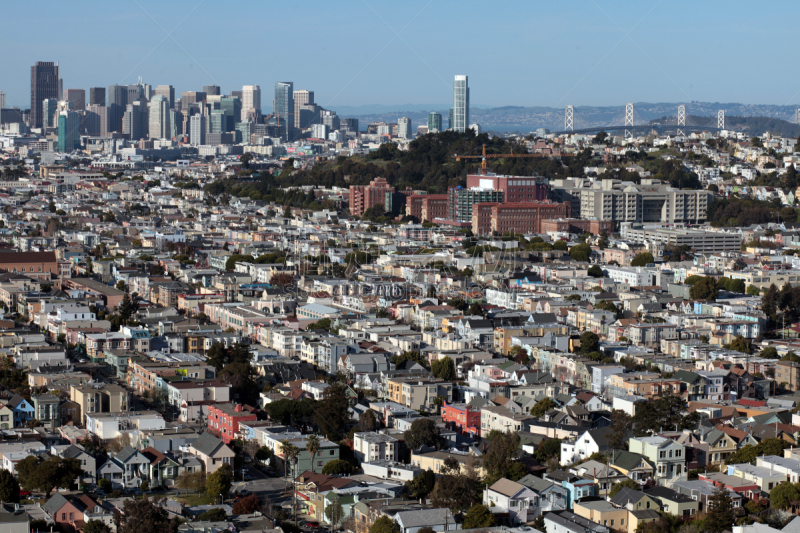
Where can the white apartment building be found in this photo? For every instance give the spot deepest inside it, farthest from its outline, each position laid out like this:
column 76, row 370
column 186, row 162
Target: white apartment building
column 371, row 446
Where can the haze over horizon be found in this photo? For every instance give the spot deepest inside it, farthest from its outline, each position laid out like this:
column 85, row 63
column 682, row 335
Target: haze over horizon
column 405, row 54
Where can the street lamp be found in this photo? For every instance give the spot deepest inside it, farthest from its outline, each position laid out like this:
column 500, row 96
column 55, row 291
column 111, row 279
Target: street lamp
column 221, row 501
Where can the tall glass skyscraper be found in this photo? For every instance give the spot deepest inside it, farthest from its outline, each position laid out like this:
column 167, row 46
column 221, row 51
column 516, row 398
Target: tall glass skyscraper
column 283, row 105
column 45, row 83
column 159, row 123
column 233, row 110
column 69, row 131
column 434, row 122
column 460, row 104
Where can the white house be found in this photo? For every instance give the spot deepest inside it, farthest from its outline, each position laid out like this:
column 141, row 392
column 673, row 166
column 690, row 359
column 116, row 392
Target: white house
column 518, row 500
column 372, row 446
column 584, row 445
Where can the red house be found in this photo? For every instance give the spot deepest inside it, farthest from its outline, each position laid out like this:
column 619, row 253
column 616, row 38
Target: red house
column 224, row 420
column 463, row 417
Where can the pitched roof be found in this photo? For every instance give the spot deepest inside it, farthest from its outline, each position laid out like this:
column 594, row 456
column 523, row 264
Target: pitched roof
column 56, row 502
column 207, row 444
column 628, row 460
column 627, row 495
column 506, row 487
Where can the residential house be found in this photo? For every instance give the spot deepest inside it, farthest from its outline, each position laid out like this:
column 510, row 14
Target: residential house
column 212, row 452
column 518, row 500
column 667, row 455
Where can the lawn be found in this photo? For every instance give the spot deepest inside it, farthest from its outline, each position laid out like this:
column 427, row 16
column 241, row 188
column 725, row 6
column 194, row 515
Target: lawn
column 191, row 500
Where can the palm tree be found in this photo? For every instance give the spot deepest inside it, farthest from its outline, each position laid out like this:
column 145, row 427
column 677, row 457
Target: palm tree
column 290, row 453
column 312, row 445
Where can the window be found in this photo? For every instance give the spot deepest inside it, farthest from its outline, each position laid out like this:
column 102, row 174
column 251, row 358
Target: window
column 622, row 521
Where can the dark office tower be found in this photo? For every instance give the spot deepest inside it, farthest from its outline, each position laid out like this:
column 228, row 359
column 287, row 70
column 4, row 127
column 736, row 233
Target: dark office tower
column 77, row 97
column 211, row 90
column 236, row 94
column 117, row 102
column 134, row 122
column 283, row 105
column 97, row 96
column 349, row 124
column 233, row 110
column 190, row 97
column 135, row 93
column 45, row 83
column 301, row 98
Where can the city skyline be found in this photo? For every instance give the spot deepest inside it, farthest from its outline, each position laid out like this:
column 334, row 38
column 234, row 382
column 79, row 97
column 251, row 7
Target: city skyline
column 524, row 55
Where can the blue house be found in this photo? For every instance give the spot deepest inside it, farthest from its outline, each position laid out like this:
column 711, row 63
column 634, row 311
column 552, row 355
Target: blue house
column 576, row 487
column 23, row 410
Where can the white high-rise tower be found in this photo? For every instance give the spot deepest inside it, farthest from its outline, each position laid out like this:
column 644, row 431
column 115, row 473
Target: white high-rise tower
column 251, row 99
column 460, row 104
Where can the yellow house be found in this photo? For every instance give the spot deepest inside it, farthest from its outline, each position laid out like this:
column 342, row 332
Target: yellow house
column 434, row 461
column 602, row 512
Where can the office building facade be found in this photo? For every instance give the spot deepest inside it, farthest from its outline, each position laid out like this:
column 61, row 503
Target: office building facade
column 404, row 128
column 515, row 188
column 233, row 110
column 96, row 120
column 461, row 201
column 167, row 91
column 159, row 118
column 211, row 90
column 301, row 98
column 460, row 103
column 117, row 103
column 349, row 125
column 251, row 100
column 49, row 112
column 45, row 83
column 519, row 217
column 2, row 100
column 363, row 197
column 134, row 121
column 77, row 97
column 197, row 130
column 191, row 97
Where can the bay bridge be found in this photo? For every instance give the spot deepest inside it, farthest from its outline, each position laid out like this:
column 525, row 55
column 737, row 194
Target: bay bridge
column 629, row 127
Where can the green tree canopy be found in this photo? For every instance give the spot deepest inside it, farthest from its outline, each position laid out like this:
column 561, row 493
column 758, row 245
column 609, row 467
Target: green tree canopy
column 145, row 516
column 780, row 497
column 595, row 271
column 219, row 482
column 704, row 289
column 590, row 342
column 642, row 259
column 444, row 368
column 422, row 431
column 629, row 483
column 337, row 467
column 542, row 406
column 478, row 516
column 384, row 524
column 581, row 252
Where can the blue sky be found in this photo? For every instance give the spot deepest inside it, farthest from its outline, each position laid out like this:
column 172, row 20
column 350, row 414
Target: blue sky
column 515, row 53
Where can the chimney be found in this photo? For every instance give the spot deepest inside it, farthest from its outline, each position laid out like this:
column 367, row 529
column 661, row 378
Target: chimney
column 238, row 408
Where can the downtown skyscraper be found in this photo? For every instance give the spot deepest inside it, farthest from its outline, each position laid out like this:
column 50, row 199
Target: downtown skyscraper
column 45, row 83
column 460, row 104
column 251, row 100
column 283, row 106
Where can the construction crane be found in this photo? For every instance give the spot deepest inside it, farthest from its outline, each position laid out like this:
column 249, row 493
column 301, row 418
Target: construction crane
column 484, row 156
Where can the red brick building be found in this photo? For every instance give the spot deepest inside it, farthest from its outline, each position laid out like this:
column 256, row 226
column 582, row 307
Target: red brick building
column 434, row 206
column 522, row 217
column 224, row 420
column 515, row 188
column 362, row 197
column 461, row 416
column 34, row 264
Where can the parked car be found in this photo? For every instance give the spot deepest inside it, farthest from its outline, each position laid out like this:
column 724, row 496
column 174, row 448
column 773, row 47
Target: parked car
column 247, row 477
column 24, row 493
column 311, row 524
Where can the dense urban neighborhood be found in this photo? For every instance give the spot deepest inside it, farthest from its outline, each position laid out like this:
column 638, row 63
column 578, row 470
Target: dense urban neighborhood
column 214, row 320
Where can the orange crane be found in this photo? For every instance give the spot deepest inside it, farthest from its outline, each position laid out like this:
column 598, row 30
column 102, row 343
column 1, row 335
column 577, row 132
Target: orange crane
column 495, row 156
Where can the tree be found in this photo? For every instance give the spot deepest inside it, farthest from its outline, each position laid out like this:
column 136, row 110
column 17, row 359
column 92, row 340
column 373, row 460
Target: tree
column 752, row 290
column 769, row 353
column 720, row 511
column 367, row 421
column 499, row 459
column 704, row 289
column 247, row 505
column 195, row 481
column 289, row 453
column 590, row 342
column 621, row 424
column 120, row 286
column 331, row 413
column 421, row 485
column 218, row 484
column 750, row 453
column 9, row 487
column 95, row 526
column 781, row 496
column 740, row 344
column 145, row 516
column 542, row 406
column 422, row 431
column 629, row 483
column 478, row 516
column 213, row 515
column 337, row 467
column 444, row 368
column 602, row 243
column 581, row 252
column 595, row 271
column 384, row 524
column 560, row 246
column 312, row 445
column 245, row 159
column 281, row 280
column 334, row 512
column 44, row 476
column 548, row 449
column 475, row 310
column 642, row 259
